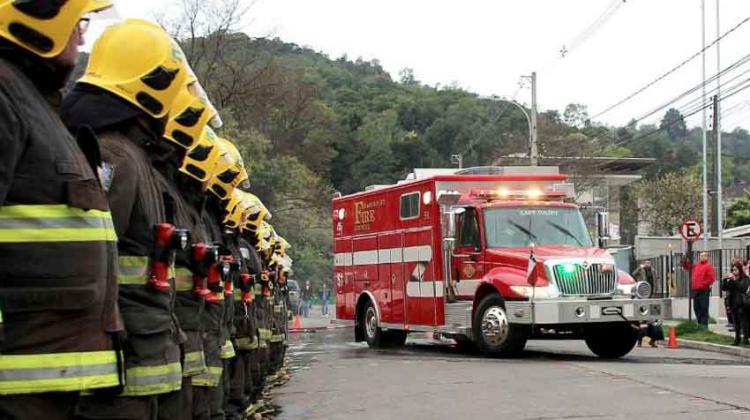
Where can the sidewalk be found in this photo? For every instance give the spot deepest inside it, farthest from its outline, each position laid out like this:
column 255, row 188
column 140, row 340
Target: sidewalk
column 316, row 320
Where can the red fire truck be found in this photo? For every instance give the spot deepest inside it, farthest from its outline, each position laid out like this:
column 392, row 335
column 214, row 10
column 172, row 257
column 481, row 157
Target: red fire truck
column 489, row 257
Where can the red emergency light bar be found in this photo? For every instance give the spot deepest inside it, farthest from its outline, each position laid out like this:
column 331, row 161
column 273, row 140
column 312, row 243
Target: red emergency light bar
column 531, row 193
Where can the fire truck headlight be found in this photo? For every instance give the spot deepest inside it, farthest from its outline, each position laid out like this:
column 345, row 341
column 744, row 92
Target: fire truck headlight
column 625, row 290
column 427, row 198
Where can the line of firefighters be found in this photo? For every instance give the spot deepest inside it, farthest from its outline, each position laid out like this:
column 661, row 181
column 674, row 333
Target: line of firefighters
column 139, row 277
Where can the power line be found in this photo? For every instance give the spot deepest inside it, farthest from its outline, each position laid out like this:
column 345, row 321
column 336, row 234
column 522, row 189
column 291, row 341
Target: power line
column 731, row 92
column 592, row 29
column 693, row 89
column 672, row 70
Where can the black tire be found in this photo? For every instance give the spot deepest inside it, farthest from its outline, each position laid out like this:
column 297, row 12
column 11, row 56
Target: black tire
column 373, row 334
column 395, row 338
column 611, row 341
column 497, row 338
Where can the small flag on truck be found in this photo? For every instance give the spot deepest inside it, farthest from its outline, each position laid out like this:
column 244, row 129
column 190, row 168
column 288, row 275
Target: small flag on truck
column 531, row 275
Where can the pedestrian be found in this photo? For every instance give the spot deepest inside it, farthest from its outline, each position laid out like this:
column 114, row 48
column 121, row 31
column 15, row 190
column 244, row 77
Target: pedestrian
column 728, row 295
column 737, row 284
column 306, row 299
column 652, row 330
column 704, row 276
column 324, row 292
column 58, row 248
column 646, row 273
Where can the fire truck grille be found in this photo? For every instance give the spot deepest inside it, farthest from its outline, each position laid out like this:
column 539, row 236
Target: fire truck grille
column 579, row 280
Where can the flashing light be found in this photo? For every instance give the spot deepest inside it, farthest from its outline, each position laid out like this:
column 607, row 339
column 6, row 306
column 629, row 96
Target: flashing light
column 427, row 198
column 568, row 269
column 341, row 214
column 534, row 193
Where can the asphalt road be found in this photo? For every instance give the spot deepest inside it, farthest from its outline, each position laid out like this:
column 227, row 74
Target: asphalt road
column 335, row 378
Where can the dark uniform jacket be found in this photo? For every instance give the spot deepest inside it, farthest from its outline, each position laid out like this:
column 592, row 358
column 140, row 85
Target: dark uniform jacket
column 58, row 290
column 152, row 354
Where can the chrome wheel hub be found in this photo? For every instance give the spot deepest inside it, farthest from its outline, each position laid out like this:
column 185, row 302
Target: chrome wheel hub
column 495, row 326
column 371, row 322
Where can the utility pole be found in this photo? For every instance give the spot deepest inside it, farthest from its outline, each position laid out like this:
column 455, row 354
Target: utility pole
column 716, row 180
column 717, row 127
column 534, row 152
column 458, row 159
column 703, row 114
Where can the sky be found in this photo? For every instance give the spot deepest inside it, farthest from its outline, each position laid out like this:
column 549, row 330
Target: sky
column 614, row 47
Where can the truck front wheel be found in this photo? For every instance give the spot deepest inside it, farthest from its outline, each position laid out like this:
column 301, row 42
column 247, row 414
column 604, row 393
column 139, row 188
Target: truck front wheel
column 493, row 334
column 611, row 341
column 373, row 334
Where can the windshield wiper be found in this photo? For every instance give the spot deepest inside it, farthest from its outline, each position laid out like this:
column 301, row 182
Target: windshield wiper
column 565, row 231
column 523, row 229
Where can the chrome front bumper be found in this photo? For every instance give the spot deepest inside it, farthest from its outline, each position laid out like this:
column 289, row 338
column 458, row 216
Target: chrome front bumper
column 581, row 311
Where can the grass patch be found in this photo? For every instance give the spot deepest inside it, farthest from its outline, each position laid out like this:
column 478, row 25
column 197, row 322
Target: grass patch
column 694, row 331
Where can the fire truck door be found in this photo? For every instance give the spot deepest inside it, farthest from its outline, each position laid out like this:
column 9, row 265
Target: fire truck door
column 344, row 277
column 467, row 261
column 391, row 279
column 365, row 265
column 419, row 277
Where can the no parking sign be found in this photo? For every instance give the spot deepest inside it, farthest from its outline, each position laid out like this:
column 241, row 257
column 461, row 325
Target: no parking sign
column 691, row 230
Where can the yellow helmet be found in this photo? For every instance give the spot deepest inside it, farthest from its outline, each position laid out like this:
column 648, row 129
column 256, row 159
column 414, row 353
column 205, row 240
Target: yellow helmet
column 190, row 113
column 281, row 246
column 234, row 210
column 200, row 160
column 138, row 61
column 44, row 26
column 257, row 212
column 229, row 171
column 262, row 233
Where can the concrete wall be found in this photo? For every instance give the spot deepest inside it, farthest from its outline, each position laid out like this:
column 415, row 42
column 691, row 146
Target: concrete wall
column 715, row 308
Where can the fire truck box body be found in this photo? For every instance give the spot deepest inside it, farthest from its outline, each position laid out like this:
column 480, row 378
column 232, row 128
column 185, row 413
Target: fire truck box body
column 429, row 254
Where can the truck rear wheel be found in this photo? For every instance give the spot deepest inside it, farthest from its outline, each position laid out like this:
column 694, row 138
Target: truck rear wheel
column 611, row 341
column 493, row 334
column 373, row 334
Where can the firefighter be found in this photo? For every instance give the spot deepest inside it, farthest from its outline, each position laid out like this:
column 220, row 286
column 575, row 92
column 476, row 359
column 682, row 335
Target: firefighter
column 257, row 214
column 209, row 400
column 281, row 266
column 58, row 312
column 133, row 76
column 191, row 113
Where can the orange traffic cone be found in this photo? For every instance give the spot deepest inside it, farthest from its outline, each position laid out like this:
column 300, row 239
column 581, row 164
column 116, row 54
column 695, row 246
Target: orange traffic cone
column 297, row 323
column 672, row 343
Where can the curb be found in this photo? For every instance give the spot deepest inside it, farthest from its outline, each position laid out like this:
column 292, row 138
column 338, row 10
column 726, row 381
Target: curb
column 313, row 329
column 743, row 352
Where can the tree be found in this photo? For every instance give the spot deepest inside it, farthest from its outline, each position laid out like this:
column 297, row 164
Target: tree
column 673, row 124
column 665, row 202
column 576, row 115
column 738, row 213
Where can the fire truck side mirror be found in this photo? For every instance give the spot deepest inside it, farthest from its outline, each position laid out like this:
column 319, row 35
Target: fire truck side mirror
column 602, row 228
column 452, row 216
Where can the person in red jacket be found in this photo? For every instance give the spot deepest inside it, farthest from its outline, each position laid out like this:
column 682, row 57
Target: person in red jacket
column 704, row 276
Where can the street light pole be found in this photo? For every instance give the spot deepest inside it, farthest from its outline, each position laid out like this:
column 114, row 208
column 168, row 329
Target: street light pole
column 531, row 122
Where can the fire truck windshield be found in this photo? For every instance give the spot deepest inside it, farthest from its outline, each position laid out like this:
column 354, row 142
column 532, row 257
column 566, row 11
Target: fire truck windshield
column 522, row 226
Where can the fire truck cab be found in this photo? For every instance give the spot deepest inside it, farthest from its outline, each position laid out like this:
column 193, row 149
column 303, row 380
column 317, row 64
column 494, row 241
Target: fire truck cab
column 489, row 257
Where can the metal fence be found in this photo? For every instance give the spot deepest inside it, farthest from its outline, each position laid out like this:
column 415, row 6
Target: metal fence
column 672, row 280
